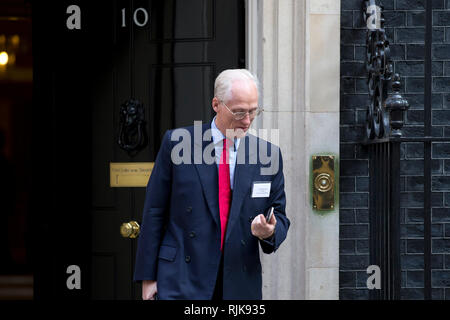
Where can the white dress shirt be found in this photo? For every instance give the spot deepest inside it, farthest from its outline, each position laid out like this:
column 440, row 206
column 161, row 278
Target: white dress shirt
column 218, row 146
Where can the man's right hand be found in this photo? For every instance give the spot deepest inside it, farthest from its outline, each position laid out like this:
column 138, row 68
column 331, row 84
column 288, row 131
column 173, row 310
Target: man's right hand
column 149, row 289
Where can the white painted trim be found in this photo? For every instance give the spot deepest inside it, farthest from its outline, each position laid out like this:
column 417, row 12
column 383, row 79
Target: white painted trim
column 253, row 46
column 251, row 35
column 279, row 51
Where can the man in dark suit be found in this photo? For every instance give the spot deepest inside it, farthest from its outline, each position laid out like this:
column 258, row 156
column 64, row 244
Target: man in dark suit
column 203, row 217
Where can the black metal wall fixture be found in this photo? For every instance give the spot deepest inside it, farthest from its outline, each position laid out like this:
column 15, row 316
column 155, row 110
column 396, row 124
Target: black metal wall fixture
column 384, row 121
column 132, row 133
column 379, row 69
column 384, row 124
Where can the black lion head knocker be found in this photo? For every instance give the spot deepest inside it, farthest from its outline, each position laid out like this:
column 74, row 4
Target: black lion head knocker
column 132, row 133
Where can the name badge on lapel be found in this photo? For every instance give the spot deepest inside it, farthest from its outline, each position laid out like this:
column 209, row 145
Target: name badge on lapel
column 261, row 189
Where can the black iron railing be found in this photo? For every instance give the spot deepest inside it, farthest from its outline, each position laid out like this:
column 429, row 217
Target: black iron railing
column 384, row 124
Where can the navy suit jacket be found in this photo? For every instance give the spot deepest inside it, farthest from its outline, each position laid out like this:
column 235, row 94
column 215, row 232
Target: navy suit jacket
column 179, row 242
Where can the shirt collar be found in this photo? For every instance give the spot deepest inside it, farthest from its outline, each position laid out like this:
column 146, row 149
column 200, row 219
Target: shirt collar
column 218, row 136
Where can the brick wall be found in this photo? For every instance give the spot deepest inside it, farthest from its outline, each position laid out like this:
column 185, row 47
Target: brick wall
column 405, row 27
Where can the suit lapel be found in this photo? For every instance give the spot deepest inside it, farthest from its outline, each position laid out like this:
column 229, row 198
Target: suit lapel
column 243, row 178
column 208, row 177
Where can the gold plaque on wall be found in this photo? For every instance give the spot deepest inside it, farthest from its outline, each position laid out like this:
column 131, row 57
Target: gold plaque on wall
column 130, row 174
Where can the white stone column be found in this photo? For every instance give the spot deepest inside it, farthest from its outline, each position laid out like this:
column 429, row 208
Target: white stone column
column 322, row 135
column 297, row 59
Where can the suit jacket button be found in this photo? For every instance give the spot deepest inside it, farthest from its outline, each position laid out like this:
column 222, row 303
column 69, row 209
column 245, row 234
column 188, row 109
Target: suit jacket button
column 189, row 209
column 244, row 268
column 192, row 234
column 243, row 242
column 187, row 259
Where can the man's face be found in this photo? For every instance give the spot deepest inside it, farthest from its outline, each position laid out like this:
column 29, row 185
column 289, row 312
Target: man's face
column 244, row 99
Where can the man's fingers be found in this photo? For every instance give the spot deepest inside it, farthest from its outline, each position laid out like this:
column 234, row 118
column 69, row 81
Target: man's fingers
column 263, row 220
column 150, row 296
column 258, row 220
column 149, row 290
column 273, row 220
column 261, row 228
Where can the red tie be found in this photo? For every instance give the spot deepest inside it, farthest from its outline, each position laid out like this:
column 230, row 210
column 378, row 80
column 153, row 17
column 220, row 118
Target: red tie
column 224, row 191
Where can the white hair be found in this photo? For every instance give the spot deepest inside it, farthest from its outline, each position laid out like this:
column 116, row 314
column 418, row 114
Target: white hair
column 222, row 85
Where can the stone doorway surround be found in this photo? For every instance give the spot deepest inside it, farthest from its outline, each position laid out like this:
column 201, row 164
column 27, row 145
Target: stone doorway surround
column 294, row 48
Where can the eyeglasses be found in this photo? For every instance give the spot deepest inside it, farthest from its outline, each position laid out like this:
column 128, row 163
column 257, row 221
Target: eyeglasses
column 241, row 115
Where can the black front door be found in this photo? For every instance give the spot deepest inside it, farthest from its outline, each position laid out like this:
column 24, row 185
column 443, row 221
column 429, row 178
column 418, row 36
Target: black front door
column 163, row 55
